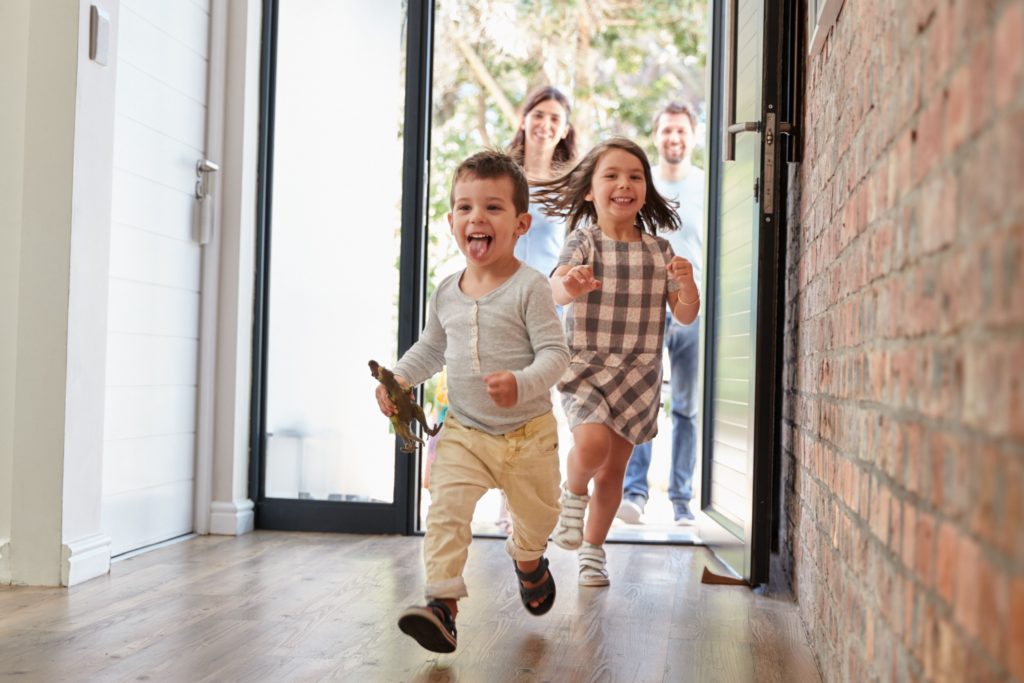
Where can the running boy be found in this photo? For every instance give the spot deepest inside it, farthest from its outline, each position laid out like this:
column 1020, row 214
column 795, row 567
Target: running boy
column 494, row 325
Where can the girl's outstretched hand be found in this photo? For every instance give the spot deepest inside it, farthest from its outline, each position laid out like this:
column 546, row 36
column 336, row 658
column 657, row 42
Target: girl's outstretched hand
column 579, row 280
column 501, row 387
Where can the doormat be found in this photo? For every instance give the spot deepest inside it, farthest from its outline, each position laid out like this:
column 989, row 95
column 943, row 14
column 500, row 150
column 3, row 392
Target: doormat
column 711, row 577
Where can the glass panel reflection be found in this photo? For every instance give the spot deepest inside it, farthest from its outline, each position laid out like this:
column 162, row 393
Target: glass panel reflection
column 334, row 247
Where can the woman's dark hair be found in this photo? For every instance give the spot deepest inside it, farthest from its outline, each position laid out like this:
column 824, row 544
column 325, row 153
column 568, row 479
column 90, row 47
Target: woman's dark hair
column 565, row 151
column 564, row 196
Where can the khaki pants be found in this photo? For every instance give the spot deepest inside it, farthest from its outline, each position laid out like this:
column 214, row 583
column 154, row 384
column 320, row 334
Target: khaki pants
column 523, row 463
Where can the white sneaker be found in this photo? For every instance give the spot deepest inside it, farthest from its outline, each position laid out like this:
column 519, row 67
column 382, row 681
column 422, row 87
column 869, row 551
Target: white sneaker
column 630, row 512
column 569, row 532
column 593, row 571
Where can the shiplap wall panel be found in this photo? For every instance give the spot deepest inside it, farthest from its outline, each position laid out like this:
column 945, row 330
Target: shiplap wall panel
column 143, row 517
column 149, row 360
column 180, row 118
column 149, row 49
column 185, row 22
column 144, row 256
column 141, row 308
column 146, row 462
column 138, row 412
column 148, row 205
column 155, row 282
column 151, row 154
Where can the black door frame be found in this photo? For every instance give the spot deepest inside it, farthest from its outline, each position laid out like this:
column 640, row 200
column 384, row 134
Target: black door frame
column 780, row 57
column 399, row 516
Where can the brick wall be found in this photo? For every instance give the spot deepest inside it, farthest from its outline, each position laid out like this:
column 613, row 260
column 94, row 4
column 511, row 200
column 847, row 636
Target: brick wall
column 904, row 353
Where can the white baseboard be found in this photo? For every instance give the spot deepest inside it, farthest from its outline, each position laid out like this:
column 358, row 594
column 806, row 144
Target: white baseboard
column 232, row 518
column 5, row 562
column 84, row 559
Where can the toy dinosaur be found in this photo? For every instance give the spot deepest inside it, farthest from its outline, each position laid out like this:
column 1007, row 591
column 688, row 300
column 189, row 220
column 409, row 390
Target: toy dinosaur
column 407, row 410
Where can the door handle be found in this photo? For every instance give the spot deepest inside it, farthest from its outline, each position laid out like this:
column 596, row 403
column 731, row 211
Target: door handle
column 203, row 217
column 745, row 127
column 204, row 167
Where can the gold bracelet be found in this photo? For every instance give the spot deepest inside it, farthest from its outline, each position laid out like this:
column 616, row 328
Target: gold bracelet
column 689, row 303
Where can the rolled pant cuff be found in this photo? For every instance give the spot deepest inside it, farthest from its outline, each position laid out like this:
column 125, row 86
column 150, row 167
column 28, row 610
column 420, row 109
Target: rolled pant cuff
column 451, row 589
column 521, row 554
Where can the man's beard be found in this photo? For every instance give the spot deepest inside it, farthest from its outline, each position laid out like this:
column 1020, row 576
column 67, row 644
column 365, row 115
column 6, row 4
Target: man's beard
column 673, row 158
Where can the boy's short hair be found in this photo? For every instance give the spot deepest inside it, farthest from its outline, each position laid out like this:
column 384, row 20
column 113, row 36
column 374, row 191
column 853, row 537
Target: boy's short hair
column 492, row 163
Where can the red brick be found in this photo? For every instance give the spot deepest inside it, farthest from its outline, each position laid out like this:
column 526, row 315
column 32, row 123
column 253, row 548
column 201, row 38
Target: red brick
column 946, row 562
column 1009, row 55
column 924, row 545
column 958, row 105
column 937, row 213
column 909, row 534
column 980, row 66
column 987, row 494
column 950, row 654
column 993, row 596
column 939, row 38
column 1011, row 540
column 1015, row 646
column 967, row 587
column 929, row 136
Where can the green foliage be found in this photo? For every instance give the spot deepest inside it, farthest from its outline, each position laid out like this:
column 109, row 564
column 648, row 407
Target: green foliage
column 618, row 61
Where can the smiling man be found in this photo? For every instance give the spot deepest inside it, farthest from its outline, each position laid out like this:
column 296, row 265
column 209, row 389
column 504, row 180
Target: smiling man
column 677, row 179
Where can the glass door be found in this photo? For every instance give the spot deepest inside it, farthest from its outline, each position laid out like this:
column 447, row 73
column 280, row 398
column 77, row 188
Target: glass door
column 744, row 290
column 339, row 258
column 615, row 67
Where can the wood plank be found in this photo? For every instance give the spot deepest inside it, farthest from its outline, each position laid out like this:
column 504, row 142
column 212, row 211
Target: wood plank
column 135, row 360
column 146, row 462
column 141, row 517
column 153, row 51
column 141, row 308
column 143, row 256
column 187, row 23
column 273, row 606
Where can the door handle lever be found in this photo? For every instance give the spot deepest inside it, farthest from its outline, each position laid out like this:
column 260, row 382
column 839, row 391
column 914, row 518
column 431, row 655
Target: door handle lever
column 203, row 213
column 744, row 127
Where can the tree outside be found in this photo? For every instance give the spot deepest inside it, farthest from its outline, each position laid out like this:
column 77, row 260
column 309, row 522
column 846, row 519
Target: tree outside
column 618, row 61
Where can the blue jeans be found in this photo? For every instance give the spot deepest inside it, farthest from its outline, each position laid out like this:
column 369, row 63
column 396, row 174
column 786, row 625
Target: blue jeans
column 683, row 347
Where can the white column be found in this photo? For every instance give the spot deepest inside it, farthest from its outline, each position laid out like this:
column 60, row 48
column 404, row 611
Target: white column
column 231, row 509
column 86, row 550
column 54, row 295
column 13, row 75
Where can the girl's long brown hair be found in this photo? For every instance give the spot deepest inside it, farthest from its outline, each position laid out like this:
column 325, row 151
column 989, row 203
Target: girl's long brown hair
column 564, row 196
column 565, row 151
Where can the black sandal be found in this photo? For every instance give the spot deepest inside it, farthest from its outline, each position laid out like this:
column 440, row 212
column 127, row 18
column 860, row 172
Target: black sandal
column 538, row 592
column 432, row 626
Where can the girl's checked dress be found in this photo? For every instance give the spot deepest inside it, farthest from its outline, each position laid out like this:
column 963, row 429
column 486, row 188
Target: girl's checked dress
column 615, row 333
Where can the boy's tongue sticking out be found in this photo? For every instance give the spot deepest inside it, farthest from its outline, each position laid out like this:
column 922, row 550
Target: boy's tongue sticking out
column 478, row 245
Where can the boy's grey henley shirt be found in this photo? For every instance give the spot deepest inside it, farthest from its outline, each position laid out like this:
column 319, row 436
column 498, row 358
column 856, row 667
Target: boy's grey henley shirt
column 514, row 327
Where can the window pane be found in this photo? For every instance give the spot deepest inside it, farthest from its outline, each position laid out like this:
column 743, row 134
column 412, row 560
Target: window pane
column 334, row 247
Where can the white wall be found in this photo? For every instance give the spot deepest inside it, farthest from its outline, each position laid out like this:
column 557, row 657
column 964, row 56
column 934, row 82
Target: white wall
column 56, row 143
column 86, row 550
column 43, row 285
column 13, row 72
column 57, row 125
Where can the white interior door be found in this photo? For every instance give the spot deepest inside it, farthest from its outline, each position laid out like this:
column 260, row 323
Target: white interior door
column 153, row 327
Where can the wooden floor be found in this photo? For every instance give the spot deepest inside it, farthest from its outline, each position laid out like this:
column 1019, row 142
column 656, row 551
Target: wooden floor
column 274, row 606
